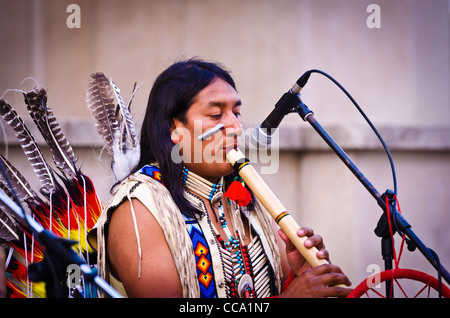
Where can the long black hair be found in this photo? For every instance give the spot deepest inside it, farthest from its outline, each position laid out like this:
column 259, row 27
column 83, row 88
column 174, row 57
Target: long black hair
column 171, row 96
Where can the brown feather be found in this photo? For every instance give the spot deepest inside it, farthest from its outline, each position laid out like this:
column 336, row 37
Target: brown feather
column 62, row 151
column 101, row 102
column 34, row 155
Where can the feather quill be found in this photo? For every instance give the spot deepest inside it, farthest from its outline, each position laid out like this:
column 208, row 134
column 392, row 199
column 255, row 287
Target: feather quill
column 126, row 124
column 40, row 112
column 135, row 88
column 29, row 146
column 125, row 146
column 100, row 101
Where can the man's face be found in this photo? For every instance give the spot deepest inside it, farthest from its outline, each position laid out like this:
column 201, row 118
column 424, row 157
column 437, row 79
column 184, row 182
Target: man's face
column 218, row 103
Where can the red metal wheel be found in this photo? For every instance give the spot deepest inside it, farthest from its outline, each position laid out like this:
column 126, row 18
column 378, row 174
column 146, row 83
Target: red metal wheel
column 369, row 285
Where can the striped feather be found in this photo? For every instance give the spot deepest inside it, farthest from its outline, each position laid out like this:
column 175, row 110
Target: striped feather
column 114, row 123
column 126, row 149
column 62, row 151
column 100, row 101
column 19, row 184
column 30, row 147
column 126, row 124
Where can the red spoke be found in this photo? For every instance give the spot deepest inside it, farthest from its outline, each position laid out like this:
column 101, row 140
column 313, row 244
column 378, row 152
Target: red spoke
column 396, row 274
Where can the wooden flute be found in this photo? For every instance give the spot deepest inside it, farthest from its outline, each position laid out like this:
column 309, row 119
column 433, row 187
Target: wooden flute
column 275, row 208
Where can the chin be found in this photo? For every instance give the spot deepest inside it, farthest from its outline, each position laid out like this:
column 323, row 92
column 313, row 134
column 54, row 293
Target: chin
column 210, row 169
column 217, row 169
column 224, row 168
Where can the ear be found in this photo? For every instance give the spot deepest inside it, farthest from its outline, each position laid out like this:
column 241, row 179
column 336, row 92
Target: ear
column 174, row 130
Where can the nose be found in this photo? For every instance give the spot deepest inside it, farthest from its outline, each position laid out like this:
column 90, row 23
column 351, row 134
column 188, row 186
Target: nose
column 233, row 125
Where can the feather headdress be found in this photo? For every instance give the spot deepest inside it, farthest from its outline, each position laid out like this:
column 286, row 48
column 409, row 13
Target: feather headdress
column 114, row 123
column 69, row 210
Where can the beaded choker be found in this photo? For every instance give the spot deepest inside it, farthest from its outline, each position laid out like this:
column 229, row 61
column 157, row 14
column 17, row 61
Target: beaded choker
column 204, row 188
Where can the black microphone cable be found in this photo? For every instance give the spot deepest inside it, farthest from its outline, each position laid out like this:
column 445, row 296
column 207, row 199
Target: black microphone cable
column 305, row 78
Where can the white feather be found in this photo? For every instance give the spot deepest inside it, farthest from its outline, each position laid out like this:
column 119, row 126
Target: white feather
column 123, row 161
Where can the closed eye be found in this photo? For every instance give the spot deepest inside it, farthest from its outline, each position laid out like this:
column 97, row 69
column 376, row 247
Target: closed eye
column 216, row 116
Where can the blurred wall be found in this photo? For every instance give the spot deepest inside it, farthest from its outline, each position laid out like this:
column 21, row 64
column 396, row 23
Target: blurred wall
column 399, row 73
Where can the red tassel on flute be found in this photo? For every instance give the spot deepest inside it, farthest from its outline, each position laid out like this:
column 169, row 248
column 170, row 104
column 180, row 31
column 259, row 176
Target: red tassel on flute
column 238, row 193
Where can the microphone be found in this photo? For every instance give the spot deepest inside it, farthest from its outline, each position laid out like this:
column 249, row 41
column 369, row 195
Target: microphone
column 261, row 136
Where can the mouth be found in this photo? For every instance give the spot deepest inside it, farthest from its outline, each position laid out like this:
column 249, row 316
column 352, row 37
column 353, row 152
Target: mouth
column 230, row 146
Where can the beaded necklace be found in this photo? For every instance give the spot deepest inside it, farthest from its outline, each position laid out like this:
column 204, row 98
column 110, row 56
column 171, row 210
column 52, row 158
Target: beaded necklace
column 238, row 267
column 206, row 189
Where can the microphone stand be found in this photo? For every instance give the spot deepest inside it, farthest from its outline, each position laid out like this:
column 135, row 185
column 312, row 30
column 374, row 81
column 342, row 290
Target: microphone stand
column 58, row 255
column 383, row 229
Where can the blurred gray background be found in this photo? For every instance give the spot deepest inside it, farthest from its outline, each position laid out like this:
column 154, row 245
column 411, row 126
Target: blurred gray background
column 398, row 71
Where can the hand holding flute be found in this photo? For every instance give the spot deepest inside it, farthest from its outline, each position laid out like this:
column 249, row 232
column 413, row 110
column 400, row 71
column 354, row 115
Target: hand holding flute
column 313, row 274
column 325, row 280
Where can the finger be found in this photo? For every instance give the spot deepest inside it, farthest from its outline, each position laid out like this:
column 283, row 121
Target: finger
column 286, row 240
column 323, row 254
column 315, row 240
column 325, row 269
column 282, row 235
column 333, row 279
column 336, row 291
column 330, row 274
column 305, row 231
